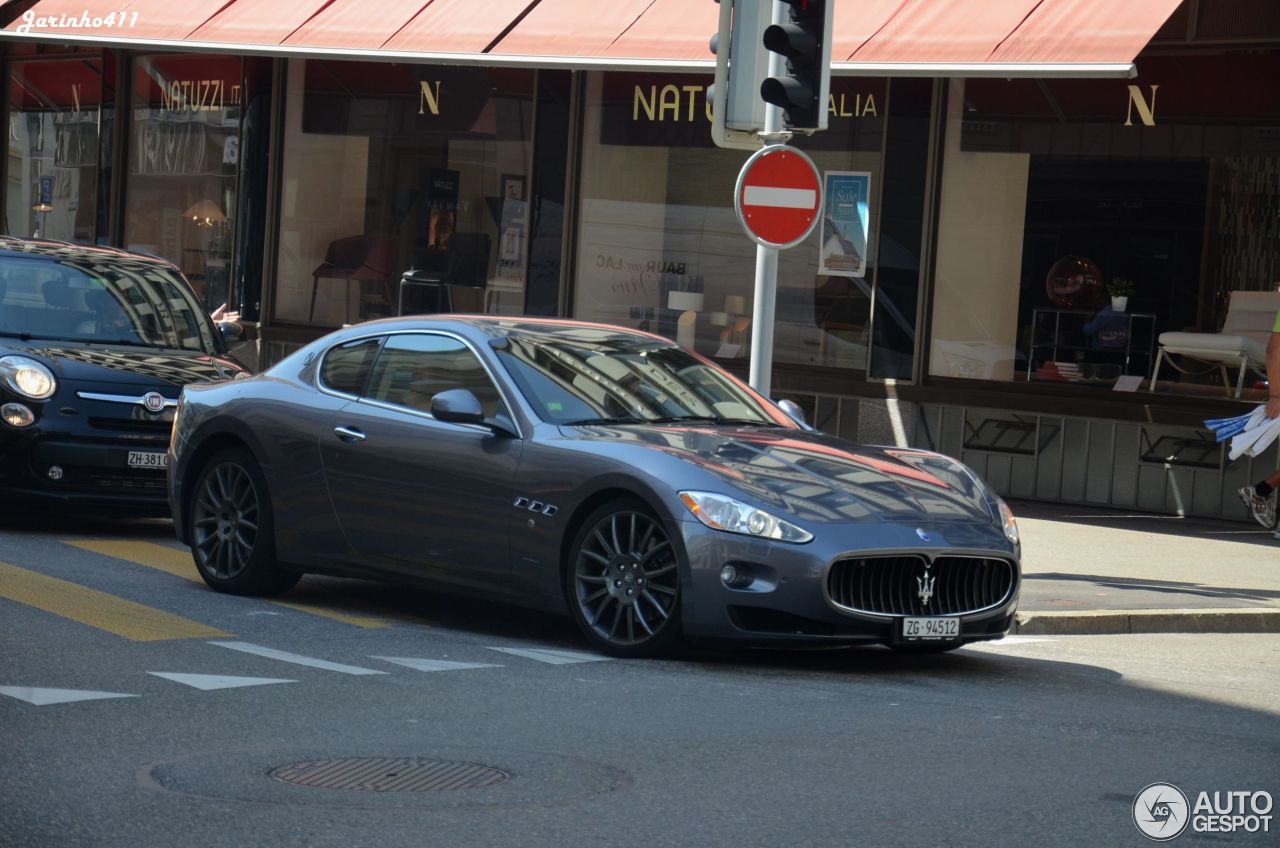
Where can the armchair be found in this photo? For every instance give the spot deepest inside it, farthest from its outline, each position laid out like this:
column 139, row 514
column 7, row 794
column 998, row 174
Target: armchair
column 1242, row 342
column 356, row 259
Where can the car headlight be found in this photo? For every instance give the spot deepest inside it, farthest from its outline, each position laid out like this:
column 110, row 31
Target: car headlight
column 720, row 512
column 27, row 377
column 1009, row 522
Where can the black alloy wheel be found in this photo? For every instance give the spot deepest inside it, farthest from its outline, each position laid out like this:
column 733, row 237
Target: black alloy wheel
column 624, row 582
column 231, row 534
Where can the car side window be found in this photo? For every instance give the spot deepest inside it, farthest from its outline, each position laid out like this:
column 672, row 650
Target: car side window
column 413, row 368
column 346, row 367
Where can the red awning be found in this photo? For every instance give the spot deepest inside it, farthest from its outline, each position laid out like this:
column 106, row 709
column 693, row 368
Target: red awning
column 872, row 37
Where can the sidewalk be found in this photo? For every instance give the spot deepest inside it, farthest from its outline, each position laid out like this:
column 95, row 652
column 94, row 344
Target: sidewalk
column 1089, row 570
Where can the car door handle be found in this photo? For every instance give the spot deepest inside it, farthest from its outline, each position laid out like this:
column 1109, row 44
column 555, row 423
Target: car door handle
column 349, row 434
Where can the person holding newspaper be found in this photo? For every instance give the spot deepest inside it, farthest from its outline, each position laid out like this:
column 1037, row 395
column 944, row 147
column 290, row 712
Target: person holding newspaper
column 1261, row 498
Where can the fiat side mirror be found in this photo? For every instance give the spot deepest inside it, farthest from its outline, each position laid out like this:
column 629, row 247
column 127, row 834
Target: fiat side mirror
column 231, row 331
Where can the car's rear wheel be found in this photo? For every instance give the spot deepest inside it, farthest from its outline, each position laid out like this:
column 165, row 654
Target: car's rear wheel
column 623, row 581
column 231, row 532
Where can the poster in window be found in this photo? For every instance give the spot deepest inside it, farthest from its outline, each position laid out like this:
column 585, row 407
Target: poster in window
column 512, row 227
column 845, row 224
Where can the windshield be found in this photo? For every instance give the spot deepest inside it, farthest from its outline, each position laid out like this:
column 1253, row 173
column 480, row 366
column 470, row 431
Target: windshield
column 115, row 302
column 589, row 375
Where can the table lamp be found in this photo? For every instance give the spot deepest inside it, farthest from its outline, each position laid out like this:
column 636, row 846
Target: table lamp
column 688, row 303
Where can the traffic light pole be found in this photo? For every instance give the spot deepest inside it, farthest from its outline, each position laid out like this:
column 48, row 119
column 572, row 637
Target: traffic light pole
column 764, row 305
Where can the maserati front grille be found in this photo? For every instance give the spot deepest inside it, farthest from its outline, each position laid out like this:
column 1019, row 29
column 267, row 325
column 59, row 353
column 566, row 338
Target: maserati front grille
column 910, row 584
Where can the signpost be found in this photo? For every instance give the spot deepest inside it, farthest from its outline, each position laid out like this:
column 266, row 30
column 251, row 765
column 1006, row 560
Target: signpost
column 779, row 193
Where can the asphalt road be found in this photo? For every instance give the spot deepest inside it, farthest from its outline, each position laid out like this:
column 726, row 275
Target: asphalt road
column 1024, row 742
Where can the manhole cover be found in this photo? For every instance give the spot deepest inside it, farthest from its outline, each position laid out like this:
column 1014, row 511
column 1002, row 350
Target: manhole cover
column 381, row 774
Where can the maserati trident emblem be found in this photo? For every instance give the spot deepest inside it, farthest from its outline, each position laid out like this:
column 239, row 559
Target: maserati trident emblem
column 153, row 401
column 926, row 587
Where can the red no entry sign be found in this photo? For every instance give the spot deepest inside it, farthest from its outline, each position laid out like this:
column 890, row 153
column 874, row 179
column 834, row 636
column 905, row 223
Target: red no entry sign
column 779, row 196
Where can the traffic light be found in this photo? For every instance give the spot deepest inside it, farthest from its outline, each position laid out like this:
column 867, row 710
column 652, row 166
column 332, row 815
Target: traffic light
column 737, row 112
column 804, row 41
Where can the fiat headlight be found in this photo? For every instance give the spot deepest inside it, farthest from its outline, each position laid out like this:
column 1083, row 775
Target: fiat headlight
column 724, row 513
column 1010, row 523
column 27, row 377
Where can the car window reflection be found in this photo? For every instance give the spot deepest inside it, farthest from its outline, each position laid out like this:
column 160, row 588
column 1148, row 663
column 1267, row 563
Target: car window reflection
column 117, row 303
column 614, row 378
column 412, row 369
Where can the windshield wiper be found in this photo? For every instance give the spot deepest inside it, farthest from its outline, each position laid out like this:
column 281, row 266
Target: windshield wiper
column 712, row 419
column 124, row 343
column 622, row 419
column 669, row 419
column 26, row 337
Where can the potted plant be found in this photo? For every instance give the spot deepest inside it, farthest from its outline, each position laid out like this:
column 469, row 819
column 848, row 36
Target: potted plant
column 1121, row 289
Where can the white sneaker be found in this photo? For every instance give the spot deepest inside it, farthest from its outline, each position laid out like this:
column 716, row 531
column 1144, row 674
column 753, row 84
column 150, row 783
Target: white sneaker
column 1262, row 509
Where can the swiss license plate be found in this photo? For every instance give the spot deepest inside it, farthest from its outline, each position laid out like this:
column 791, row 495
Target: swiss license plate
column 158, row 460
column 930, row 628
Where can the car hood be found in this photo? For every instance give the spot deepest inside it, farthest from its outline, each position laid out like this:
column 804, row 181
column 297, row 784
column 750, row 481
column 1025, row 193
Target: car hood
column 811, row 475
column 127, row 365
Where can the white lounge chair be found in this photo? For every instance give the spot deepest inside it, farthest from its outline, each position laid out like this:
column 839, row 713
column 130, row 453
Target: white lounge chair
column 1242, row 342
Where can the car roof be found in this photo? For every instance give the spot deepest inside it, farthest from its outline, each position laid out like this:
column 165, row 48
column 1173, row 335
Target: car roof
column 498, row 326
column 65, row 251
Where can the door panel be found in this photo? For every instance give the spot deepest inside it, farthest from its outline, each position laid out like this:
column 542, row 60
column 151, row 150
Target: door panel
column 416, row 495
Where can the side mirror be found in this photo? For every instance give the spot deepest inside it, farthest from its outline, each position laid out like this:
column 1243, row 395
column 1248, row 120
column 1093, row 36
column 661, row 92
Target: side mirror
column 794, row 412
column 457, row 406
column 231, row 331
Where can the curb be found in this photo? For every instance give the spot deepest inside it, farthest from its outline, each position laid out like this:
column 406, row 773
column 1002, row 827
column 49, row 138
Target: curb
column 1110, row 622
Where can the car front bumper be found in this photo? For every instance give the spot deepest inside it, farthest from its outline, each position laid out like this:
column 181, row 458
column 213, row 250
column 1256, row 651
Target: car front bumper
column 788, row 600
column 89, row 471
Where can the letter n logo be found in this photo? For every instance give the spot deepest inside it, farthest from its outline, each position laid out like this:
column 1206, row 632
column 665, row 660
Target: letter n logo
column 1146, row 112
column 429, row 98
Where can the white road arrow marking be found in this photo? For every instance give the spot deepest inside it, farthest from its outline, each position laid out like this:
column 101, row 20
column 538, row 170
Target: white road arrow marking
column 209, row 682
column 42, row 697
column 433, row 665
column 551, row 657
column 296, row 659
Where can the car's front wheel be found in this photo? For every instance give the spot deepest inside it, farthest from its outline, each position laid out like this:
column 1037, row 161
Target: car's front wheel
column 623, row 581
column 231, row 532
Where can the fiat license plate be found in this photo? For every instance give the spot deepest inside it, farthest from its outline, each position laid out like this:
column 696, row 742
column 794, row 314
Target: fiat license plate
column 159, row 460
column 930, row 628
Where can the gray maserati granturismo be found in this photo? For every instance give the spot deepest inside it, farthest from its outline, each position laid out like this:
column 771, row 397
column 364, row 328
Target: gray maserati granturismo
column 587, row 469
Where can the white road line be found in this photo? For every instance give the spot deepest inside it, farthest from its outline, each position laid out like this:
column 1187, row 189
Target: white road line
column 1011, row 640
column 209, row 682
column 296, row 659
column 551, row 657
column 781, row 198
column 43, row 697
column 433, row 665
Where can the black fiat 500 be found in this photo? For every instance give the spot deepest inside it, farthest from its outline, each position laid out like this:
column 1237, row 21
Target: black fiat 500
column 95, row 347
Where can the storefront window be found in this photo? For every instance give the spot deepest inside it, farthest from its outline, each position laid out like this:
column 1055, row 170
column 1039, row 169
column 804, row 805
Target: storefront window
column 660, row 247
column 1080, row 219
column 405, row 189
column 182, row 160
column 52, row 170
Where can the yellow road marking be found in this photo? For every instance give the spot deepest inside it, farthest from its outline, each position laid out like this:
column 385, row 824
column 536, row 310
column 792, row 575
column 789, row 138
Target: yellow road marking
column 178, row 563
column 98, row 609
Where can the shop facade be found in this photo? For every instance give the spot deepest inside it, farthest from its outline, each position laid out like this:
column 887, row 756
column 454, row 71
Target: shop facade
column 957, row 297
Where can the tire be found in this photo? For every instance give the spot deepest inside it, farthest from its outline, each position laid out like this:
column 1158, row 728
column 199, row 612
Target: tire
column 623, row 582
column 230, row 525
